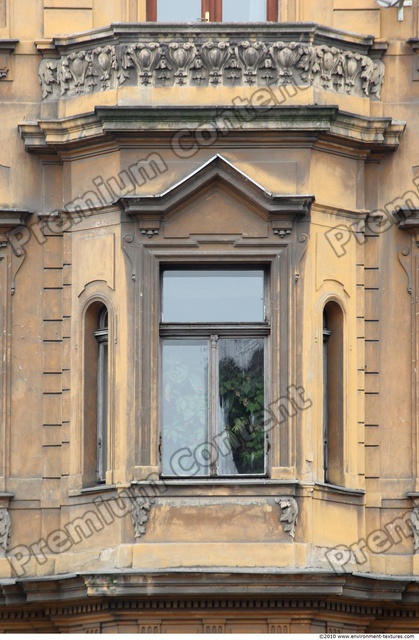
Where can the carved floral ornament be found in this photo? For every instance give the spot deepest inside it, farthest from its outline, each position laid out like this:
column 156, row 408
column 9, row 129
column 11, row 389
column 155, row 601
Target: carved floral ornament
column 140, row 513
column 211, row 63
column 5, row 528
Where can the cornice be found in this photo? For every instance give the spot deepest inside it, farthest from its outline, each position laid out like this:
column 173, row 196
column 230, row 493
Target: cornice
column 408, row 220
column 310, row 32
column 356, row 214
column 287, row 124
column 149, row 587
column 207, row 55
column 8, row 45
column 9, row 220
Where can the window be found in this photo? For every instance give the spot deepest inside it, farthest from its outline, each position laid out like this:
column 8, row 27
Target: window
column 213, row 332
column 95, row 450
column 333, row 394
column 212, row 10
column 101, row 335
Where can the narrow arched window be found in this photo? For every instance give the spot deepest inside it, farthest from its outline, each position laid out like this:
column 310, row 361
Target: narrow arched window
column 95, row 374
column 333, row 394
column 101, row 335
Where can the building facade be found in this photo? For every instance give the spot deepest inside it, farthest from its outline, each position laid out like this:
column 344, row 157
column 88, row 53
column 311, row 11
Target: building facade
column 209, row 274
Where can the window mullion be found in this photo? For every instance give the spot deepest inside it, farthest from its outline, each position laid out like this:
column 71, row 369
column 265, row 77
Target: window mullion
column 213, row 400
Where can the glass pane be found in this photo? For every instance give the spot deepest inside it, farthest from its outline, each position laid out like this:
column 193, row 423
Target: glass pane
column 185, row 11
column 241, row 414
column 213, row 296
column 105, row 407
column 244, row 10
column 185, row 407
column 102, row 411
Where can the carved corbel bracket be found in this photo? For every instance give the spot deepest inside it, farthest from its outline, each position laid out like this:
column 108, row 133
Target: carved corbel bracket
column 414, row 525
column 13, row 232
column 282, row 228
column 5, row 528
column 5, row 521
column 414, row 520
column 405, row 260
column 128, row 246
column 148, row 221
column 149, row 228
column 6, row 48
column 140, row 513
column 289, row 514
column 12, row 227
column 408, row 220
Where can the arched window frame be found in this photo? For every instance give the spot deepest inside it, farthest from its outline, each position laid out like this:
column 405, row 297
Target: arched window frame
column 96, row 391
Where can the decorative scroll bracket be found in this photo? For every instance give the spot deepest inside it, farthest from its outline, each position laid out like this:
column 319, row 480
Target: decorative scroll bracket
column 414, row 525
column 289, row 514
column 405, row 261
column 15, row 233
column 408, row 220
column 5, row 528
column 128, row 246
column 140, row 513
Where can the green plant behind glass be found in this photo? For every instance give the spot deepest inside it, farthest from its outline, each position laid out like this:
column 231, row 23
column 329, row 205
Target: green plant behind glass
column 242, row 403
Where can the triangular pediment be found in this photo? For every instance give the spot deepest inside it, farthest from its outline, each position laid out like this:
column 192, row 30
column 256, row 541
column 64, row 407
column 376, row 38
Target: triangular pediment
column 218, row 175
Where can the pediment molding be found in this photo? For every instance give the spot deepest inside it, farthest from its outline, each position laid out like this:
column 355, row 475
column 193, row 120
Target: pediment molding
column 280, row 210
column 225, row 173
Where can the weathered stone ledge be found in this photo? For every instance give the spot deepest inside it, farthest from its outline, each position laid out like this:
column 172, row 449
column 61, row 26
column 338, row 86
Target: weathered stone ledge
column 312, row 124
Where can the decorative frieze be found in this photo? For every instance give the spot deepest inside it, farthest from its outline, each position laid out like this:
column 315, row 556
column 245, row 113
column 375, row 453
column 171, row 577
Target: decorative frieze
column 211, row 63
column 289, row 514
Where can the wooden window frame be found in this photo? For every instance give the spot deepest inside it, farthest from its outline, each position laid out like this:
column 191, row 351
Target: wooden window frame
column 95, row 393
column 213, row 332
column 102, row 337
column 214, row 8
